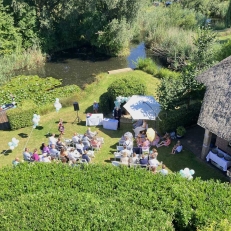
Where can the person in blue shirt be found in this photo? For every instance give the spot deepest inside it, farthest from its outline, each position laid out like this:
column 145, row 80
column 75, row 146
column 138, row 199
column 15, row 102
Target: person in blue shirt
column 143, row 161
column 85, row 156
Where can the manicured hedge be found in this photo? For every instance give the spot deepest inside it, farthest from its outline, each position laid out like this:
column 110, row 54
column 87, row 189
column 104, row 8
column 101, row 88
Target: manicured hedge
column 98, row 197
column 179, row 117
column 19, row 118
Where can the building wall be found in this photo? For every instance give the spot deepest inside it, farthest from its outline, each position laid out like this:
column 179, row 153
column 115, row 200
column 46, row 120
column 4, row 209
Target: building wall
column 223, row 145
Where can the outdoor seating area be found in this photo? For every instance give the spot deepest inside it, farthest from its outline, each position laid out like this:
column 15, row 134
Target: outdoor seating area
column 79, row 149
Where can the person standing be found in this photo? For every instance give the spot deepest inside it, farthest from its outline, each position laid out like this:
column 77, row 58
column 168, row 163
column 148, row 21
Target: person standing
column 95, row 107
column 117, row 115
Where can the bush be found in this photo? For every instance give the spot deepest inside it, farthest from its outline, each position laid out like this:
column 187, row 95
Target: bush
column 40, row 90
column 179, row 117
column 126, row 87
column 103, row 197
column 164, row 72
column 19, row 118
column 147, row 65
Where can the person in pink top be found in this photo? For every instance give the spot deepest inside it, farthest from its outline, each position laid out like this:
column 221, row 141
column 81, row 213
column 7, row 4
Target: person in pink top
column 35, row 155
column 146, row 143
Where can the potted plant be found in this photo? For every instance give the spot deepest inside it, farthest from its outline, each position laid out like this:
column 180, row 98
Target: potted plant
column 180, row 131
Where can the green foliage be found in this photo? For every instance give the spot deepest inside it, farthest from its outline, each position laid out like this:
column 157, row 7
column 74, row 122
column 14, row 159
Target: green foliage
column 10, row 64
column 180, row 131
column 40, row 90
column 10, row 38
column 182, row 116
column 106, row 103
column 100, row 197
column 126, row 87
column 165, row 73
column 21, row 118
column 147, row 65
column 225, row 51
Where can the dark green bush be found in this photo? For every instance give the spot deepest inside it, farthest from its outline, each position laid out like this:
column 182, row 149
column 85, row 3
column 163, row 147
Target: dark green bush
column 121, row 87
column 19, row 118
column 102, row 197
column 179, row 117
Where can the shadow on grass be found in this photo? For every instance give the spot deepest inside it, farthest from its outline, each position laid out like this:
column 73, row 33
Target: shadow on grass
column 6, row 152
column 109, row 161
column 39, row 128
column 23, row 135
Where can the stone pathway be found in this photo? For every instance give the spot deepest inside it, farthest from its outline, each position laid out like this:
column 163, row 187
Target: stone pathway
column 193, row 139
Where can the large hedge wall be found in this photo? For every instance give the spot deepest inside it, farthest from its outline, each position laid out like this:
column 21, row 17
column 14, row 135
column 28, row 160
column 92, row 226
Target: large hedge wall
column 97, row 197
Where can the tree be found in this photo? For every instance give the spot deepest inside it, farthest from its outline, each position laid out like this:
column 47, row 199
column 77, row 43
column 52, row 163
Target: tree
column 10, row 39
column 175, row 92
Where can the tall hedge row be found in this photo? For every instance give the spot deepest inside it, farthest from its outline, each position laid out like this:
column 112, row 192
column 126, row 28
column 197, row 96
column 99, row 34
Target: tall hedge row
column 97, row 197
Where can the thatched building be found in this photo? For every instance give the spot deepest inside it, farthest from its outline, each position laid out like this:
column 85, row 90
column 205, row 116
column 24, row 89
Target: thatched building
column 215, row 115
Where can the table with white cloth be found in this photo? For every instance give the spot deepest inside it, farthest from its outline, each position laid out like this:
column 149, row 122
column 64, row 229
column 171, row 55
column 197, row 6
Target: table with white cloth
column 94, row 120
column 110, row 124
column 224, row 164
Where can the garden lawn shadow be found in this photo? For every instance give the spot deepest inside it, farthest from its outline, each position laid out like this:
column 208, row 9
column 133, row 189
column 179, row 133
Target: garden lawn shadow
column 23, row 135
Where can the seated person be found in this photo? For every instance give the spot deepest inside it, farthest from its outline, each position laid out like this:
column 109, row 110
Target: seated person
column 143, row 161
column 166, row 142
column 86, row 140
column 125, row 150
column 64, row 155
column 90, row 134
column 177, row 148
column 154, row 151
column 16, row 161
column 165, row 136
column 146, row 143
column 128, row 143
column 75, row 138
column 73, row 154
column 85, row 156
column 35, row 156
column 133, row 159
column 45, row 158
column 140, row 128
column 155, row 141
column 45, row 149
column 138, row 123
column 52, row 139
column 60, row 144
column 153, row 170
column 153, row 161
column 54, row 152
column 124, row 158
column 95, row 143
column 163, row 171
column 27, row 155
column 80, row 147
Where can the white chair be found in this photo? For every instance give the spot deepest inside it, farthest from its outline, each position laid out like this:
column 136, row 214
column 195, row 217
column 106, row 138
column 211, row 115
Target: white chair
column 117, row 155
column 67, row 142
column 115, row 163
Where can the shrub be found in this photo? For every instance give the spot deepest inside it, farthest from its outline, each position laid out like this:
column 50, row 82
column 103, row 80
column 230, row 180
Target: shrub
column 102, row 197
column 179, row 117
column 19, row 118
column 126, row 87
column 180, row 131
column 164, row 72
column 147, row 65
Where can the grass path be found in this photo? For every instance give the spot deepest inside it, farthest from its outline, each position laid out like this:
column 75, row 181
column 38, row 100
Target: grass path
column 48, row 123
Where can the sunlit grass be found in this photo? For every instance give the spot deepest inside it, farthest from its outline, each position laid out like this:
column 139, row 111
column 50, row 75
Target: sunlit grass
column 33, row 138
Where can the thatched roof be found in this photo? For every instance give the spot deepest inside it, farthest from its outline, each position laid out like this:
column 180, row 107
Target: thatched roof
column 215, row 112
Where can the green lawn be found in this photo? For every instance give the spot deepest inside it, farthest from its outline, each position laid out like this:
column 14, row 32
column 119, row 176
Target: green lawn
column 48, row 123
